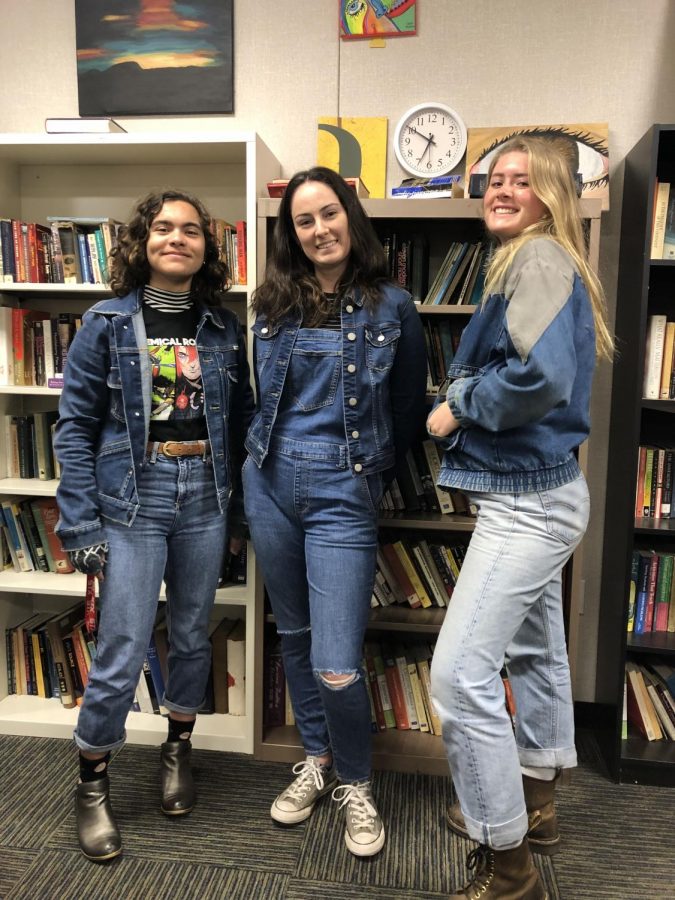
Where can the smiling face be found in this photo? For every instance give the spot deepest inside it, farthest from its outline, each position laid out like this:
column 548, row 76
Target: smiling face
column 510, row 204
column 175, row 246
column 322, row 228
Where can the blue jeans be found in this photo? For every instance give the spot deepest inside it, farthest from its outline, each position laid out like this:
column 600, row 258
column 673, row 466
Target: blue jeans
column 507, row 606
column 177, row 536
column 314, row 528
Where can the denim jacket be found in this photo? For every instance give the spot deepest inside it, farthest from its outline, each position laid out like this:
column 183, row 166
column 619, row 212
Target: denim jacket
column 104, row 413
column 383, row 378
column 520, row 382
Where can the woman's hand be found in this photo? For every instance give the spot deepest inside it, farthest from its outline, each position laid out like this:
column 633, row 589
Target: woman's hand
column 441, row 421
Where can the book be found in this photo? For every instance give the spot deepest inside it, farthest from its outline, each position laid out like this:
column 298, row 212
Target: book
column 422, row 716
column 241, row 266
column 277, row 186
column 6, row 347
column 395, row 687
column 422, row 655
column 156, row 674
column 46, row 514
column 663, row 711
column 236, row 669
column 661, row 198
column 142, row 696
column 70, row 254
column 392, row 557
column 79, row 125
column 16, row 536
column 398, row 651
column 656, row 332
column 668, row 251
column 373, row 651
column 35, row 546
column 433, row 459
column 372, row 680
column 274, row 687
column 57, row 628
column 663, row 590
column 639, row 703
column 668, row 348
column 219, row 664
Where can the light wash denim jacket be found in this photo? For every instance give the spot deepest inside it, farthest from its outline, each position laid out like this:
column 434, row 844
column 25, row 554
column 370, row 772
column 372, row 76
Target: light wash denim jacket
column 383, row 378
column 104, row 413
column 520, row 382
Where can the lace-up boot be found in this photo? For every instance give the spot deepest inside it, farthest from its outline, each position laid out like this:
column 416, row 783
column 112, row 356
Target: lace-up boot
column 502, row 875
column 364, row 832
column 542, row 831
column 296, row 803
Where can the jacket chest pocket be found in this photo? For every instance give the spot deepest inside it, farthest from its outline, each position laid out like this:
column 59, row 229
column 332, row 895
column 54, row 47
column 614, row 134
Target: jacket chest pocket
column 381, row 344
column 265, row 340
column 315, row 368
column 114, row 385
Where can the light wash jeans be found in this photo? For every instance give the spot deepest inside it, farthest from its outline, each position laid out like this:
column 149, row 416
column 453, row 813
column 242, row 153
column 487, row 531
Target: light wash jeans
column 507, row 607
column 314, row 528
column 178, row 535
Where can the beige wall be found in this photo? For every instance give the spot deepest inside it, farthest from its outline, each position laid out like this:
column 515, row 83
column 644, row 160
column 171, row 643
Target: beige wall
column 496, row 63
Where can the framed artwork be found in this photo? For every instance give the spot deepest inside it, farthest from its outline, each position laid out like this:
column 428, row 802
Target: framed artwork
column 355, row 148
column 586, row 147
column 377, row 18
column 154, row 57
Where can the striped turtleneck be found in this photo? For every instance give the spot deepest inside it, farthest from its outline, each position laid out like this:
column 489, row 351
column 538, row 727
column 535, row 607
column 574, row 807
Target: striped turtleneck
column 167, row 301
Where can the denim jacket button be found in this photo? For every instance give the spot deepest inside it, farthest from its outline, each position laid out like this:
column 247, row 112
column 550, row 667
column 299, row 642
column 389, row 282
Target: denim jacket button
column 351, row 336
column 355, row 434
column 351, row 367
column 264, row 330
column 132, row 362
column 358, row 467
column 349, row 308
column 353, row 401
column 380, row 337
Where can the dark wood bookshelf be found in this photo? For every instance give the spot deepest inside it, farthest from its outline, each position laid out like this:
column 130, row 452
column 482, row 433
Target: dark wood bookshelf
column 645, row 287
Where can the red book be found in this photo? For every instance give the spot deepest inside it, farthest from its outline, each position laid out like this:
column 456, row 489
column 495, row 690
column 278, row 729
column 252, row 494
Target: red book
column 241, row 251
column 400, row 574
column 46, row 514
column 395, row 685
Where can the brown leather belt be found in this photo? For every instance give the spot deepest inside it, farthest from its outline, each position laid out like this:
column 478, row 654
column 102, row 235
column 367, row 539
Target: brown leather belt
column 180, row 448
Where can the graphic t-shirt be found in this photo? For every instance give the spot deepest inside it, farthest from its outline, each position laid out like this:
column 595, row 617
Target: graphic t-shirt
column 177, row 408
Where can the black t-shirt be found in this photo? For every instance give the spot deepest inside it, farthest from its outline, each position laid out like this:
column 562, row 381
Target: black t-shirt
column 177, row 408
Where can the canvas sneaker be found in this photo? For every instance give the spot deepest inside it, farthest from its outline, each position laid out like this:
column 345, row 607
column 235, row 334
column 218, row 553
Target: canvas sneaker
column 364, row 834
column 296, row 803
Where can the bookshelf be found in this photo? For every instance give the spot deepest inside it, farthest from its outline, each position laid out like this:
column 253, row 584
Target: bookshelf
column 441, row 221
column 645, row 287
column 89, row 175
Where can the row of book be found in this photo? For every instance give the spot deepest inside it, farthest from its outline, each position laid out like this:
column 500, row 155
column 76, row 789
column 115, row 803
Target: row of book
column 652, row 592
column 49, row 655
column 649, row 699
column 441, row 337
column 415, row 487
column 76, row 250
column 461, row 277
column 663, row 222
column 34, row 346
column 416, row 572
column 659, row 371
column 654, row 483
column 28, row 542
column 29, row 445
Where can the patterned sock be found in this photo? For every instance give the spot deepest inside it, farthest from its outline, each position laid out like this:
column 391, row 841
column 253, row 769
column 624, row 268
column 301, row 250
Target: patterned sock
column 93, row 769
column 180, row 731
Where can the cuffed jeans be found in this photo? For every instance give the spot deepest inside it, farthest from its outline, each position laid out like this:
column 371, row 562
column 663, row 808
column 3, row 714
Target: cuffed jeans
column 314, row 528
column 178, row 536
column 507, row 606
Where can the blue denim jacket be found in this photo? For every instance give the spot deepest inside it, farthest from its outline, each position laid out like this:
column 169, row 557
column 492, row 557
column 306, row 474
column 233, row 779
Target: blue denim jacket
column 520, row 382
column 104, row 413
column 383, row 378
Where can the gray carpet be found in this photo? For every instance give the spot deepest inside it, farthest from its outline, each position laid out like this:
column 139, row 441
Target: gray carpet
column 229, row 848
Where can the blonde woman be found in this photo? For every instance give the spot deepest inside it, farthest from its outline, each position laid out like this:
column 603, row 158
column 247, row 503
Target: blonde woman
column 511, row 419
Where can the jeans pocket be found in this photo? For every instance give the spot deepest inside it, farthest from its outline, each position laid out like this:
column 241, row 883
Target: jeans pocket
column 567, row 511
column 373, row 488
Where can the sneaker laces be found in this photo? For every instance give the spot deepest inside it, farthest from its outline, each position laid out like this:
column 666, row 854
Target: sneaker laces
column 358, row 797
column 308, row 771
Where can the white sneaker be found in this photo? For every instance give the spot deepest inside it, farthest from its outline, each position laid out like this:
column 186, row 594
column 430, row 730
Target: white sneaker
column 364, row 834
column 296, row 803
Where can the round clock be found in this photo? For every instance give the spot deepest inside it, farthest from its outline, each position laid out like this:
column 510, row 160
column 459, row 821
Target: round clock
column 430, row 139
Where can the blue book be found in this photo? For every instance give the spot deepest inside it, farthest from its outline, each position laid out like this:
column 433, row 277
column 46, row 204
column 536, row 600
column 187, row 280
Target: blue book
column 156, row 673
column 457, row 262
column 642, row 591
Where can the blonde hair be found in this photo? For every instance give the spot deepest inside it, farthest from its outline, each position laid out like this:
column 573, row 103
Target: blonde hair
column 552, row 182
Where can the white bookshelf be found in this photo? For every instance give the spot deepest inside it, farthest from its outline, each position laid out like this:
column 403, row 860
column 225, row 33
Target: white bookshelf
column 89, row 175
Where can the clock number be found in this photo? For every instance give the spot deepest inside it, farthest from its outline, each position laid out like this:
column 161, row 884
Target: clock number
column 432, row 118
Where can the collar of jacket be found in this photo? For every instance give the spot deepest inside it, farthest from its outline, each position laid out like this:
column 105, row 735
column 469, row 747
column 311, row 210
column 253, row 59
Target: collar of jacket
column 133, row 302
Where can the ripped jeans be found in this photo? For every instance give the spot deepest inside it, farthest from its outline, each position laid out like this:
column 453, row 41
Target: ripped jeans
column 314, row 528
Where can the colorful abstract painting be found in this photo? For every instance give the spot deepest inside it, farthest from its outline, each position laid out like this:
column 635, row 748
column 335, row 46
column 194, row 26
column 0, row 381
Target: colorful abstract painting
column 356, row 148
column 586, row 146
column 377, row 18
column 154, row 57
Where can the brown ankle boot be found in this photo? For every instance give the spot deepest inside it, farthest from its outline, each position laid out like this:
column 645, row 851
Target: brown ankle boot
column 502, row 875
column 542, row 832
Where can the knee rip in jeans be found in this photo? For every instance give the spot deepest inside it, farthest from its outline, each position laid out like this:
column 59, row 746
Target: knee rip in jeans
column 338, row 682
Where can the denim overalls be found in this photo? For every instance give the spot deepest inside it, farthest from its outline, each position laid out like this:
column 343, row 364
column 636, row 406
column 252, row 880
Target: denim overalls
column 312, row 512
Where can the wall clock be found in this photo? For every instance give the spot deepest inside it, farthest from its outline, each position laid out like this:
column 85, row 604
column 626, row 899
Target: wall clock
column 430, row 139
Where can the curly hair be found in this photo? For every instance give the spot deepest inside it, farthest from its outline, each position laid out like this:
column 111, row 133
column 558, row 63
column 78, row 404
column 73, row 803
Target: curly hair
column 129, row 267
column 290, row 282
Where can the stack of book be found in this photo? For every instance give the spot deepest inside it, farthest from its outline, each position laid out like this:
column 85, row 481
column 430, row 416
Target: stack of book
column 461, row 277
column 34, row 346
column 416, row 572
column 652, row 593
column 659, row 372
column 663, row 222
column 654, row 483
column 231, row 240
column 277, row 186
column 28, row 542
column 440, row 186
column 649, row 700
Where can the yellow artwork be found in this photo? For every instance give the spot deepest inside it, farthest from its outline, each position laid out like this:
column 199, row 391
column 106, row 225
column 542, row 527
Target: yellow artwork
column 356, row 148
column 586, row 146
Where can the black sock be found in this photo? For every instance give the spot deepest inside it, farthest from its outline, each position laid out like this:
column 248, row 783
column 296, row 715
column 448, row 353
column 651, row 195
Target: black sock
column 180, row 731
column 93, row 769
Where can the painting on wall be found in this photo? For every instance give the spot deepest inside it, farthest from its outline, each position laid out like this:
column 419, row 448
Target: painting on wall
column 586, row 146
column 154, row 57
column 356, row 147
column 377, row 18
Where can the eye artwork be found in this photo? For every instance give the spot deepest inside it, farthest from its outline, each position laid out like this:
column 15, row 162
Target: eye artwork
column 585, row 146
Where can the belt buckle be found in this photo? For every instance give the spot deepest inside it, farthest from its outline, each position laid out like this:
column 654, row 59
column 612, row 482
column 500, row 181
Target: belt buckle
column 166, row 451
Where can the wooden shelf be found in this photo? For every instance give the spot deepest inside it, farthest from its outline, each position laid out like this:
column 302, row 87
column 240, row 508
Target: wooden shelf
column 425, row 521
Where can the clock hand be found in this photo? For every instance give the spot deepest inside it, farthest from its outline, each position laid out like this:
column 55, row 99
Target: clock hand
column 430, row 141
